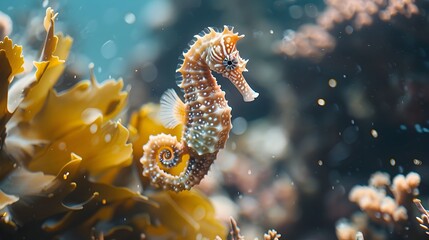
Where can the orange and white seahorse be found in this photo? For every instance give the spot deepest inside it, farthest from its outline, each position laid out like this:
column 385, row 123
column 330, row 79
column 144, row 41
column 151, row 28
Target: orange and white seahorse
column 204, row 113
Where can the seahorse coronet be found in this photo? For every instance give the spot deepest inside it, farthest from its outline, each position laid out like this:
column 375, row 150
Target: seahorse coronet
column 206, row 114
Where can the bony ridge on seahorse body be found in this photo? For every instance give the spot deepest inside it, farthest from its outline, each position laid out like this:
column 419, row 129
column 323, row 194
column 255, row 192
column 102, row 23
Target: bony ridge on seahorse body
column 204, row 113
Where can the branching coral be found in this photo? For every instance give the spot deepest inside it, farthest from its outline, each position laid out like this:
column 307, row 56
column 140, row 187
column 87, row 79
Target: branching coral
column 314, row 40
column 373, row 199
column 383, row 202
column 357, row 226
column 424, row 218
column 236, row 235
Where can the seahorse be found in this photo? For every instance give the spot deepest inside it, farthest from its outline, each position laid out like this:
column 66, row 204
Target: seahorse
column 204, row 113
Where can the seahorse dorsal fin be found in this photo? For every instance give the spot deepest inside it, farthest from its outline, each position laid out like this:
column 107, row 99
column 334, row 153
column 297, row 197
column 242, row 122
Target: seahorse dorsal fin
column 172, row 112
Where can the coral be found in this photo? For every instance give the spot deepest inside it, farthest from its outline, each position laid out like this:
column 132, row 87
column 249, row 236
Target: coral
column 383, row 202
column 314, row 40
column 373, row 199
column 358, row 225
column 236, row 235
column 310, row 41
column 424, row 218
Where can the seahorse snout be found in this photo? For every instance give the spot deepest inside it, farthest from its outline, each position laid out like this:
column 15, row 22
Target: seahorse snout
column 251, row 96
column 237, row 78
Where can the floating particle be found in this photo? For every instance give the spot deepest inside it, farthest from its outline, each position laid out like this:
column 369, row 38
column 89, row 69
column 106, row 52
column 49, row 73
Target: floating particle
column 107, row 138
column 158, row 14
column 311, row 10
column 321, row 102
column 199, row 212
column 332, row 83
column 62, row 146
column 374, row 133
column 418, row 128
column 66, row 175
column 271, row 31
column 130, row 18
column 403, row 127
column 45, row 3
column 233, row 146
column 239, row 125
column 109, row 49
column 93, row 128
column 249, row 172
column 358, row 68
column 257, row 34
column 149, row 72
column 296, row 12
column 417, row 162
column 320, row 162
column 117, row 65
column 350, row 134
column 349, row 29
column 392, row 162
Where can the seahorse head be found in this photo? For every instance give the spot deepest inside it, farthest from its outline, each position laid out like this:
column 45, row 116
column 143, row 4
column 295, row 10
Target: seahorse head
column 224, row 58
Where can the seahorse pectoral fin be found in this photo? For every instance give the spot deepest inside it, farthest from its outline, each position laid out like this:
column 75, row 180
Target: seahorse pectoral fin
column 237, row 78
column 173, row 110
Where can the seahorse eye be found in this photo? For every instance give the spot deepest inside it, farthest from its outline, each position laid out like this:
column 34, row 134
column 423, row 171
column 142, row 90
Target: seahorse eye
column 230, row 63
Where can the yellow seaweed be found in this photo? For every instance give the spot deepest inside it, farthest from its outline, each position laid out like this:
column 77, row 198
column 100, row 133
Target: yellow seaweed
column 101, row 149
column 13, row 55
column 78, row 120
column 11, row 62
column 49, row 69
column 144, row 123
column 192, row 210
column 74, row 148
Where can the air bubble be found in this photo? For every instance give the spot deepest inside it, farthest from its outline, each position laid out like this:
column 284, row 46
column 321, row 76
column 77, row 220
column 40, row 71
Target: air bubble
column 109, row 49
column 239, row 125
column 130, row 18
column 107, row 138
column 93, row 128
column 62, row 146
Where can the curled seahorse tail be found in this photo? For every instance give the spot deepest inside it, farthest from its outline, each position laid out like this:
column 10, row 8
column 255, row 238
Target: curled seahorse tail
column 163, row 152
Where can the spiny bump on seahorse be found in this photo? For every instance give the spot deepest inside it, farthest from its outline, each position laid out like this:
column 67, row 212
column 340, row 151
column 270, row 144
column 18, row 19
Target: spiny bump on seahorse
column 204, row 113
